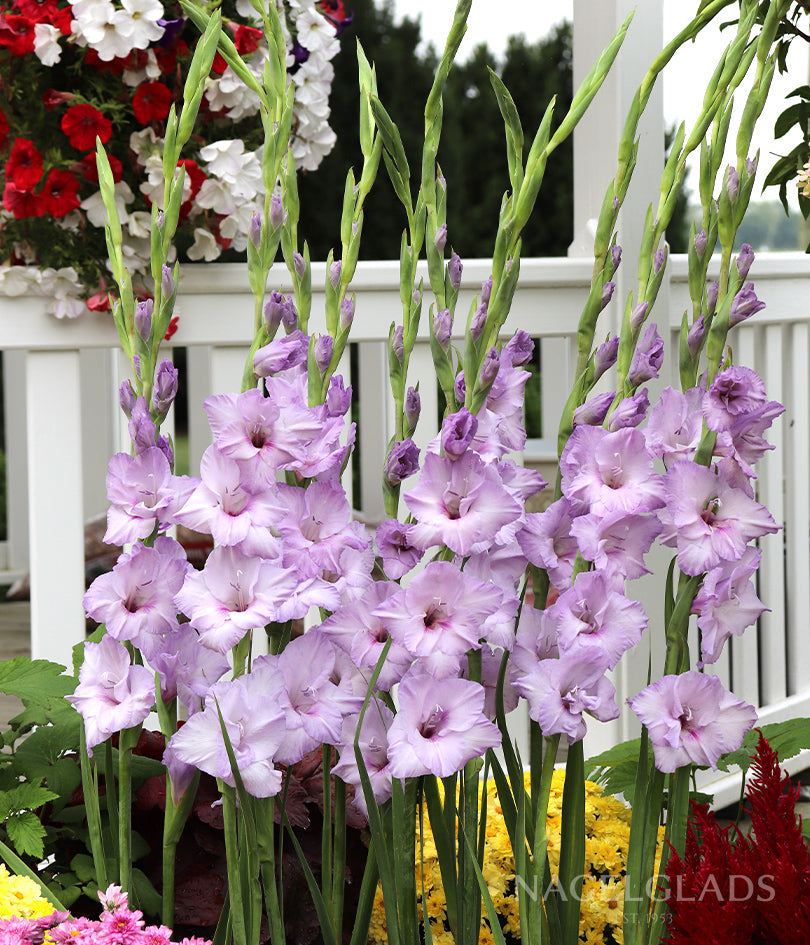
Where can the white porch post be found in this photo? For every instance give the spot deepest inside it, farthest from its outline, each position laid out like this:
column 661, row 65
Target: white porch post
column 596, row 144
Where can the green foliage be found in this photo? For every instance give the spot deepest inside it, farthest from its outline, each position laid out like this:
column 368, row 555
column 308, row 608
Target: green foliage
column 36, row 682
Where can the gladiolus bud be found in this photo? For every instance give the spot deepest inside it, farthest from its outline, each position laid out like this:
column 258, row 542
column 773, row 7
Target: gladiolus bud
column 607, row 292
column 276, row 211
column 638, row 315
column 440, row 239
column 711, row 296
column 413, row 407
column 274, row 310
column 695, row 335
column 454, row 270
column 346, row 314
column 334, row 273
column 255, row 230
column 324, row 345
column 167, row 282
column 143, row 318
column 489, row 369
column 700, row 243
column 300, row 265
column 744, row 259
column 605, row 357
column 126, row 397
column 486, row 291
column 398, row 343
column 478, row 321
column 165, row 389
column 443, row 327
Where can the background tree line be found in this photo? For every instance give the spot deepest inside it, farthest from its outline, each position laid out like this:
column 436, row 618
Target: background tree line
column 472, row 153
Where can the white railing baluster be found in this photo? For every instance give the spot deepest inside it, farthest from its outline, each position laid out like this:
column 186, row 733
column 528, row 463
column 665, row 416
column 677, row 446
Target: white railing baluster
column 56, row 513
column 770, row 491
column 797, row 507
column 16, row 423
column 373, row 425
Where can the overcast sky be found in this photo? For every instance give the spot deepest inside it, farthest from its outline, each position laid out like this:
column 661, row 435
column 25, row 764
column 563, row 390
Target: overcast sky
column 493, row 21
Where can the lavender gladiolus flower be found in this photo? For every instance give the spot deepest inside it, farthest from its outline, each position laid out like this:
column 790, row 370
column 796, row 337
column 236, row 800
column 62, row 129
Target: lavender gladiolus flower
column 361, row 633
column 373, row 744
column 399, row 554
column 281, row 354
column 647, row 358
column 141, row 426
column 443, row 327
column 744, row 305
column 143, row 318
column 560, row 690
column 735, row 392
column 402, row 461
column 547, row 542
column 605, row 472
column 440, row 726
column 615, row 542
column 458, row 430
column 251, row 709
column 708, row 519
column 691, row 718
column 233, row 504
column 234, row 593
column 322, row 350
column 112, row 695
column 274, row 310
column 338, row 397
column 439, row 616
column 135, row 600
column 605, row 356
column 462, row 504
column 594, row 410
column 727, row 604
column 126, row 397
column 165, row 390
column 676, row 424
column 745, row 258
column 630, row 411
column 519, row 349
column 595, row 619
column 142, row 494
column 454, row 269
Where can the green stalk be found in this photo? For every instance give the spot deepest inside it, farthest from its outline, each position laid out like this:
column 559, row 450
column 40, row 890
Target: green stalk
column 339, row 856
column 125, row 813
column 174, row 819
column 469, row 895
column 327, row 888
column 237, row 916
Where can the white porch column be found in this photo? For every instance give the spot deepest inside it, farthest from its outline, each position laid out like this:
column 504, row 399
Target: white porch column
column 596, row 145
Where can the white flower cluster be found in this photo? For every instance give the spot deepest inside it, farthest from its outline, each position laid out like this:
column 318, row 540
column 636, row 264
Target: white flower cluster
column 115, row 31
column 61, row 287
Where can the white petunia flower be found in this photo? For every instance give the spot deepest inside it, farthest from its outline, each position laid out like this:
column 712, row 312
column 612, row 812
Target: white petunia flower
column 96, row 212
column 46, row 44
column 144, row 16
column 204, row 247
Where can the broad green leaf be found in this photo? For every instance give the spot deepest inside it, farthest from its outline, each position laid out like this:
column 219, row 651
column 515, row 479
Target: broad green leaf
column 37, row 682
column 26, row 833
column 24, row 797
column 785, row 738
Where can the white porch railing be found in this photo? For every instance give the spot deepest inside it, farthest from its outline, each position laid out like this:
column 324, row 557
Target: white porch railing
column 62, row 418
column 69, row 375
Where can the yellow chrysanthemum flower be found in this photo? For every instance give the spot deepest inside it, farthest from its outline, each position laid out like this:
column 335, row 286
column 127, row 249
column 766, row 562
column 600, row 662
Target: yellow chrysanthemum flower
column 607, row 827
column 21, row 897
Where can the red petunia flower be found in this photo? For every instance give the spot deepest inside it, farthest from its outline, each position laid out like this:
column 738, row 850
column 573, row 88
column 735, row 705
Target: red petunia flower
column 151, row 102
column 115, row 66
column 22, row 203
column 3, row 130
column 247, row 39
column 175, row 319
column 90, row 169
column 51, row 98
column 17, row 34
column 99, row 301
column 24, row 165
column 167, row 56
column 61, row 193
column 218, row 66
column 83, row 124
